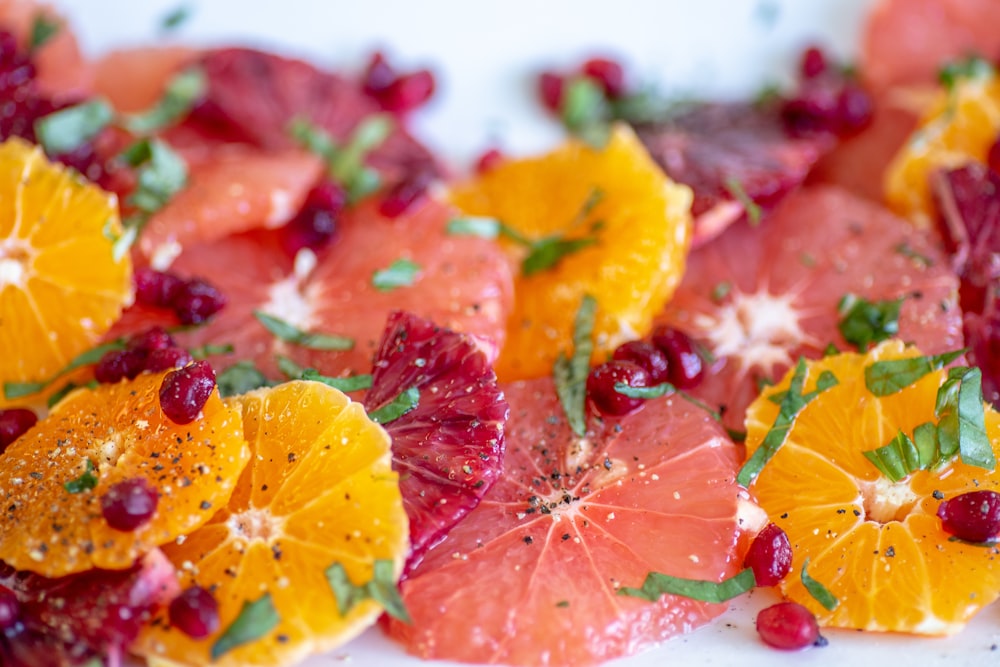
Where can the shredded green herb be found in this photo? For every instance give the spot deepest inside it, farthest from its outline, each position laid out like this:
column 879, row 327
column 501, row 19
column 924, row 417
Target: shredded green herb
column 752, row 208
column 85, row 482
column 570, row 373
column 350, row 383
column 404, row 402
column 401, row 273
column 864, row 322
column 381, row 588
column 919, row 259
column 183, row 90
column 657, row 585
column 241, row 377
column 175, row 18
column 971, row 67
column 66, row 130
column 14, row 390
column 289, row 333
column 721, row 290
column 816, row 589
column 255, row 620
column 584, row 111
column 346, row 164
column 43, row 29
column 889, row 376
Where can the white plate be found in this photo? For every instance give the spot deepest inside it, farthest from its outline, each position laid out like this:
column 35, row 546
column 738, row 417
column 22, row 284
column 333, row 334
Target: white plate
column 485, row 55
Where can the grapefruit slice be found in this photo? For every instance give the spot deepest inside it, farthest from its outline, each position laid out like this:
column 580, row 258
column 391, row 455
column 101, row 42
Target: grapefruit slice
column 134, row 79
column 530, row 577
column 448, row 450
column 63, row 72
column 758, row 298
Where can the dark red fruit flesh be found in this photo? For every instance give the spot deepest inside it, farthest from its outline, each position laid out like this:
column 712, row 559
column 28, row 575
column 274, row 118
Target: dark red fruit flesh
column 601, row 387
column 154, row 338
column 813, row 62
column 129, row 504
column 608, row 73
column 378, row 75
column 973, row 516
column 490, row 159
column 646, row 355
column 550, row 90
column 166, row 359
column 195, row 612
column 117, row 365
column 407, row 92
column 315, row 225
column 993, row 156
column 184, row 392
column 10, row 609
column 156, row 288
column 789, row 626
column 403, row 195
column 686, row 367
column 15, row 422
column 196, row 301
column 769, row 556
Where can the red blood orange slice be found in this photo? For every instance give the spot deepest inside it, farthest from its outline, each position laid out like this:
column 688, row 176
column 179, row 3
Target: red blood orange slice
column 448, row 450
column 530, row 577
column 758, row 298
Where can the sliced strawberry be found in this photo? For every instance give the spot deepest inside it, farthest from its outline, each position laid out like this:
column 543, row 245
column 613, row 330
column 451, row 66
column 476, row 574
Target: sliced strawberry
column 94, row 614
column 449, row 448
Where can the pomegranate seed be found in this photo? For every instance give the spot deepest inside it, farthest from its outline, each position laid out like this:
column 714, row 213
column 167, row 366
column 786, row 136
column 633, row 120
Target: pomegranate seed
column 407, row 92
column 609, row 73
column 315, row 225
column 769, row 556
column 154, row 338
column 184, row 392
column 404, row 194
column 854, row 109
column 129, row 504
column 993, row 156
column 686, row 368
column 195, row 612
column 116, row 365
column 550, row 90
column 196, row 301
column 15, row 422
column 648, row 356
column 378, row 75
column 601, row 387
column 10, row 607
column 973, row 516
column 167, row 358
column 813, row 62
column 156, row 288
column 489, row 160
column 788, row 625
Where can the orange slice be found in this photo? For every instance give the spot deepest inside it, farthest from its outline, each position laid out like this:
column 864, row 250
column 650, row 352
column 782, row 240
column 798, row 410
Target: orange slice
column 60, row 286
column 877, row 545
column 638, row 231
column 319, row 493
column 54, row 476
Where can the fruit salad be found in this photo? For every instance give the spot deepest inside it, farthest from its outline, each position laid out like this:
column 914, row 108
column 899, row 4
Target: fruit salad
column 284, row 382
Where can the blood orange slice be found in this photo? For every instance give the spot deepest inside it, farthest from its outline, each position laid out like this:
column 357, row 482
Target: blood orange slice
column 758, row 298
column 448, row 450
column 530, row 577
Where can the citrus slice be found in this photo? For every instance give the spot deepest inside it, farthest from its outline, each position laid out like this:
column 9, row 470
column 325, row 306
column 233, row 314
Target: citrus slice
column 60, row 285
column 876, row 545
column 532, row 575
column 318, row 496
column 63, row 72
column 959, row 125
column 134, row 79
column 633, row 229
column 757, row 298
column 55, row 476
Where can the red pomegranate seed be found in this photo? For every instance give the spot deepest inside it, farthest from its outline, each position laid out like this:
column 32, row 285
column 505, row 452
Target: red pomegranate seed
column 154, row 338
column 10, row 608
column 196, row 301
column 15, row 422
column 993, row 156
column 156, row 288
column 854, row 109
column 407, row 92
column 648, row 356
column 167, row 358
column 184, row 392
column 378, row 75
column 129, row 504
column 609, row 73
column 972, row 516
column 116, row 365
column 489, row 160
column 403, row 195
column 813, row 62
column 315, row 225
column 788, row 625
column 195, row 612
column 550, row 90
column 769, row 556
column 601, row 387
column 686, row 366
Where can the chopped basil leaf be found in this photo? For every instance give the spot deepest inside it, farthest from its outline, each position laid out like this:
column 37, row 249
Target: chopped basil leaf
column 818, row 590
column 162, row 173
column 863, row 322
column 655, row 391
column 830, row 350
column 585, row 111
column 255, row 620
column 345, row 164
column 546, row 253
column 889, row 376
column 736, row 436
column 43, row 28
column 240, row 378
column 345, row 384
column 657, row 585
column 961, row 419
column 896, row 459
column 735, row 188
column 721, row 290
column 401, row 273
column 66, row 130
column 382, row 589
column 792, row 403
column 183, row 90
column 487, row 228
column 571, row 373
column 404, row 402
column 971, row 67
column 85, row 482
column 175, row 18
column 12, row 390
column 905, row 250
column 291, row 334
column 209, row 349
column 64, row 390
column 289, row 368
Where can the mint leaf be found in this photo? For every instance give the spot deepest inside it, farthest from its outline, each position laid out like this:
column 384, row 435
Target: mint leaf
column 43, row 28
column 971, row 67
column 917, row 258
column 570, row 374
column 14, row 390
column 162, row 173
column 289, row 333
column 401, row 273
column 863, row 322
column 896, row 459
column 346, row 164
column 657, row 585
column 66, row 130
column 818, row 590
column 182, row 91
column 486, row 228
column 382, row 589
column 404, row 402
column 175, row 18
column 962, row 420
column 255, row 620
column 546, row 253
column 241, row 377
column 85, row 482
column 345, row 384
column 655, row 391
column 584, row 111
column 752, row 208
column 889, row 376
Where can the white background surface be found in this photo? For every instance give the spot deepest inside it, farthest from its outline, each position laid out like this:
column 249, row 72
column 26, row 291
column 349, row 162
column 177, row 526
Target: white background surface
column 485, row 55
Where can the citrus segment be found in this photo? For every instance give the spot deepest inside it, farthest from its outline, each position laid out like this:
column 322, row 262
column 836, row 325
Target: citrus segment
column 959, row 125
column 54, row 476
column 877, row 545
column 134, row 79
column 531, row 576
column 319, row 491
column 635, row 240
column 60, row 286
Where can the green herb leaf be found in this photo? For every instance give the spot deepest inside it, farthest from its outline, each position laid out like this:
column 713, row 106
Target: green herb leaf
column 397, row 407
column 863, row 322
column 571, row 373
column 290, row 334
column 13, row 390
column 657, row 585
column 382, row 589
column 792, row 403
column 344, row 384
column 346, row 164
column 971, row 67
column 889, row 376
column 655, row 391
column 255, row 620
column 66, row 130
column 210, row 349
column 85, row 482
column 920, row 260
column 486, row 228
column 63, row 391
column 162, row 173
column 401, row 273
column 721, row 290
column 818, row 590
column 896, row 459
column 183, row 90
column 585, row 112
column 962, row 421
column 240, row 378
column 175, row 18
column 546, row 253
column 752, row 208
column 43, row 28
